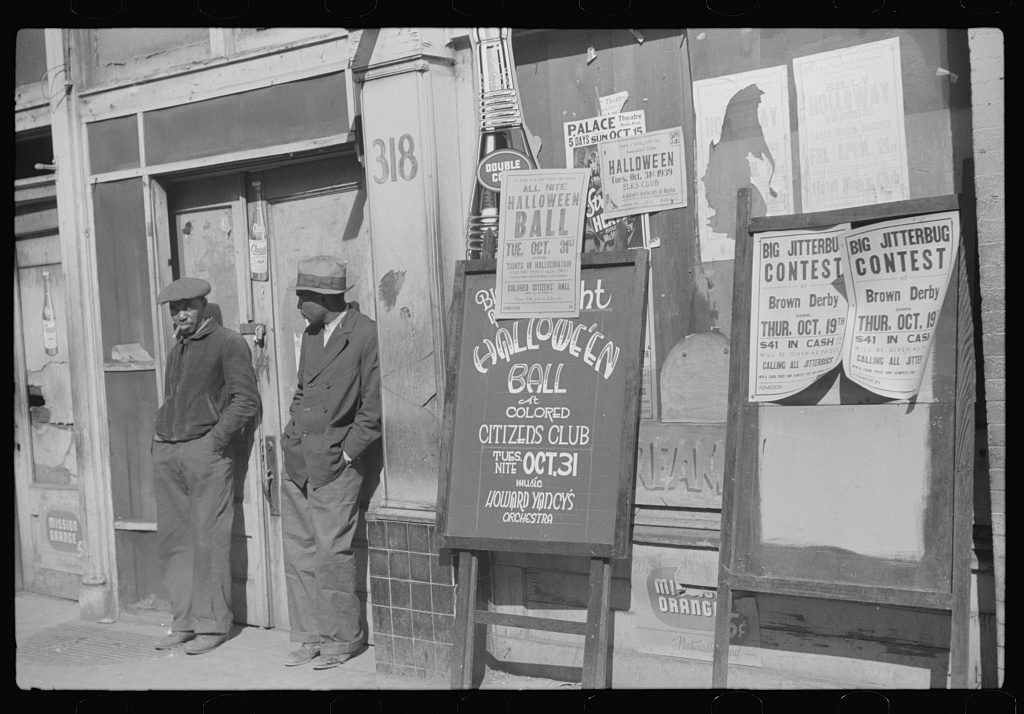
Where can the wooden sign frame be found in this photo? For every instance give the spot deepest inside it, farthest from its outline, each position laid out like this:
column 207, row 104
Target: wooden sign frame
column 595, row 630
column 632, row 357
column 952, row 452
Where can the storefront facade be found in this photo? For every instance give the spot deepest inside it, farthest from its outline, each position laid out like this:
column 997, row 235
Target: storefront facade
column 364, row 144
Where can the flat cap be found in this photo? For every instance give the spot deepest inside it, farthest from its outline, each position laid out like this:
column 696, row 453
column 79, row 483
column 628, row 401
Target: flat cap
column 183, row 289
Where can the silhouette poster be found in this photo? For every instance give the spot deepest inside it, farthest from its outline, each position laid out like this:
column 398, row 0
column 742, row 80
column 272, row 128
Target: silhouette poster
column 743, row 140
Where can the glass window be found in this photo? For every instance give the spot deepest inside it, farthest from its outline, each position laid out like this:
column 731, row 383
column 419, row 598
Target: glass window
column 126, row 299
column 30, row 57
column 113, row 144
column 306, row 109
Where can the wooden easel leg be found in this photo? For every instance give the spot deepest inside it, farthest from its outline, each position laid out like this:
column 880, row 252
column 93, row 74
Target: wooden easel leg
column 595, row 643
column 720, row 656
column 465, row 610
column 963, row 492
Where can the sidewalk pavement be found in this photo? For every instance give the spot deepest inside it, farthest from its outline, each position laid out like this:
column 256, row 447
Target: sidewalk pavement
column 58, row 651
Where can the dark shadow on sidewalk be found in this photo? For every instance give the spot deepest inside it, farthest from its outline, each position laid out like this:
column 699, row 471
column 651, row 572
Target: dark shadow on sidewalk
column 559, row 673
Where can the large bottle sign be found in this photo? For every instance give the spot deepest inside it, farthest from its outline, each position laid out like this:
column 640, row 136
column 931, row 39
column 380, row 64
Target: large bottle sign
column 542, row 415
column 503, row 143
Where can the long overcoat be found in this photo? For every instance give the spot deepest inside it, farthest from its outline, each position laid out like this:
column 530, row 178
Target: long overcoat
column 337, row 403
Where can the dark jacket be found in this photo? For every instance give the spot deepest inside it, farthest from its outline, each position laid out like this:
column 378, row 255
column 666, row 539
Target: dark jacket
column 209, row 387
column 336, row 406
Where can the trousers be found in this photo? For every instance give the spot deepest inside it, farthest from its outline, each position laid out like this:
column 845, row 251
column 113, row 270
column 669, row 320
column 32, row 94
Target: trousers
column 318, row 525
column 194, row 487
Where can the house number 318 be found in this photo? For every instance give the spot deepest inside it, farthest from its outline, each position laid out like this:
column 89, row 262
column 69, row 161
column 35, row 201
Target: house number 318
column 393, row 167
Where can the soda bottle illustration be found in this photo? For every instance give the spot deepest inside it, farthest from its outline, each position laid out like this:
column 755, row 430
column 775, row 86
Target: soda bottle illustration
column 258, row 255
column 49, row 318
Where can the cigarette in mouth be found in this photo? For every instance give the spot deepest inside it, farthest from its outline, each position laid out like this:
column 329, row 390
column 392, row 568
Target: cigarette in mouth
column 177, row 329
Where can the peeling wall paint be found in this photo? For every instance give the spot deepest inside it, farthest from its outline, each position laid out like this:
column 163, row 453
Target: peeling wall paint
column 54, row 383
column 680, row 465
column 406, row 382
column 389, row 287
column 53, row 449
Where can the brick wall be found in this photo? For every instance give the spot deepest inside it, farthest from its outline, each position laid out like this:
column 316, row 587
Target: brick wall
column 987, row 114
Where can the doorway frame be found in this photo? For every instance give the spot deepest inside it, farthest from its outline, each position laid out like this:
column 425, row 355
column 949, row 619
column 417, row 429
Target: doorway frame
column 256, row 306
column 163, row 264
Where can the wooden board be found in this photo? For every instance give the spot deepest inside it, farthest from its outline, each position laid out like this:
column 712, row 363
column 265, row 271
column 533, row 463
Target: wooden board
column 131, row 411
column 589, row 430
column 841, row 496
column 853, row 502
column 847, row 470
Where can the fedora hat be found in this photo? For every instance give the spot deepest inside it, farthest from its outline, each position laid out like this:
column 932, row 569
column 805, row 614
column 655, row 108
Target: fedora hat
column 322, row 274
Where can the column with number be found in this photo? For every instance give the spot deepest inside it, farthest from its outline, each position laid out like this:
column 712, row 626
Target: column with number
column 412, row 149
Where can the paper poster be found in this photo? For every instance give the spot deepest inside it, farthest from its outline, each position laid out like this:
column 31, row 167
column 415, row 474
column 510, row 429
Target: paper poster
column 896, row 279
column 612, row 103
column 853, row 148
column 742, row 140
column 643, row 174
column 581, row 151
column 540, row 231
column 581, row 133
column 798, row 310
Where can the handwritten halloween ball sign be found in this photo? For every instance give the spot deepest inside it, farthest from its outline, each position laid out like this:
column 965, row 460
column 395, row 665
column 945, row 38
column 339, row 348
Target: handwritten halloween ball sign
column 542, row 418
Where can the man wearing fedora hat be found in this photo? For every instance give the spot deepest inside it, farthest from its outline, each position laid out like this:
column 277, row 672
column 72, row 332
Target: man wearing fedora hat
column 210, row 398
column 335, row 418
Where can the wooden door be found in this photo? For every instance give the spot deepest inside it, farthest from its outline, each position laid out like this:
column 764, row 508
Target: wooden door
column 209, row 242
column 46, row 474
column 312, row 208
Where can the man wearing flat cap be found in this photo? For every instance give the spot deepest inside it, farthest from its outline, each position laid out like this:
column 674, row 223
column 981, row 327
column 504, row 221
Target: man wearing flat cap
column 335, row 418
column 210, row 397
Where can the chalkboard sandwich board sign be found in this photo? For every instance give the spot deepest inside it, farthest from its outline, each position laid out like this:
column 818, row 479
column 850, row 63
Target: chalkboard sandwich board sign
column 541, row 416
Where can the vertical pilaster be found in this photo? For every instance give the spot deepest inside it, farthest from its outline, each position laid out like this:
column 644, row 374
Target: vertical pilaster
column 414, row 136
column 98, row 593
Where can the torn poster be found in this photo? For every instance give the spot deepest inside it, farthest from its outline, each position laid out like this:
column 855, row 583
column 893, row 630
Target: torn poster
column 742, row 140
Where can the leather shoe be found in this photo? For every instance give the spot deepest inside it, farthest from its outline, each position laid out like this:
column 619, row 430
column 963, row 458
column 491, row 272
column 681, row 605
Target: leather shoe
column 174, row 639
column 326, row 661
column 204, row 643
column 304, row 654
